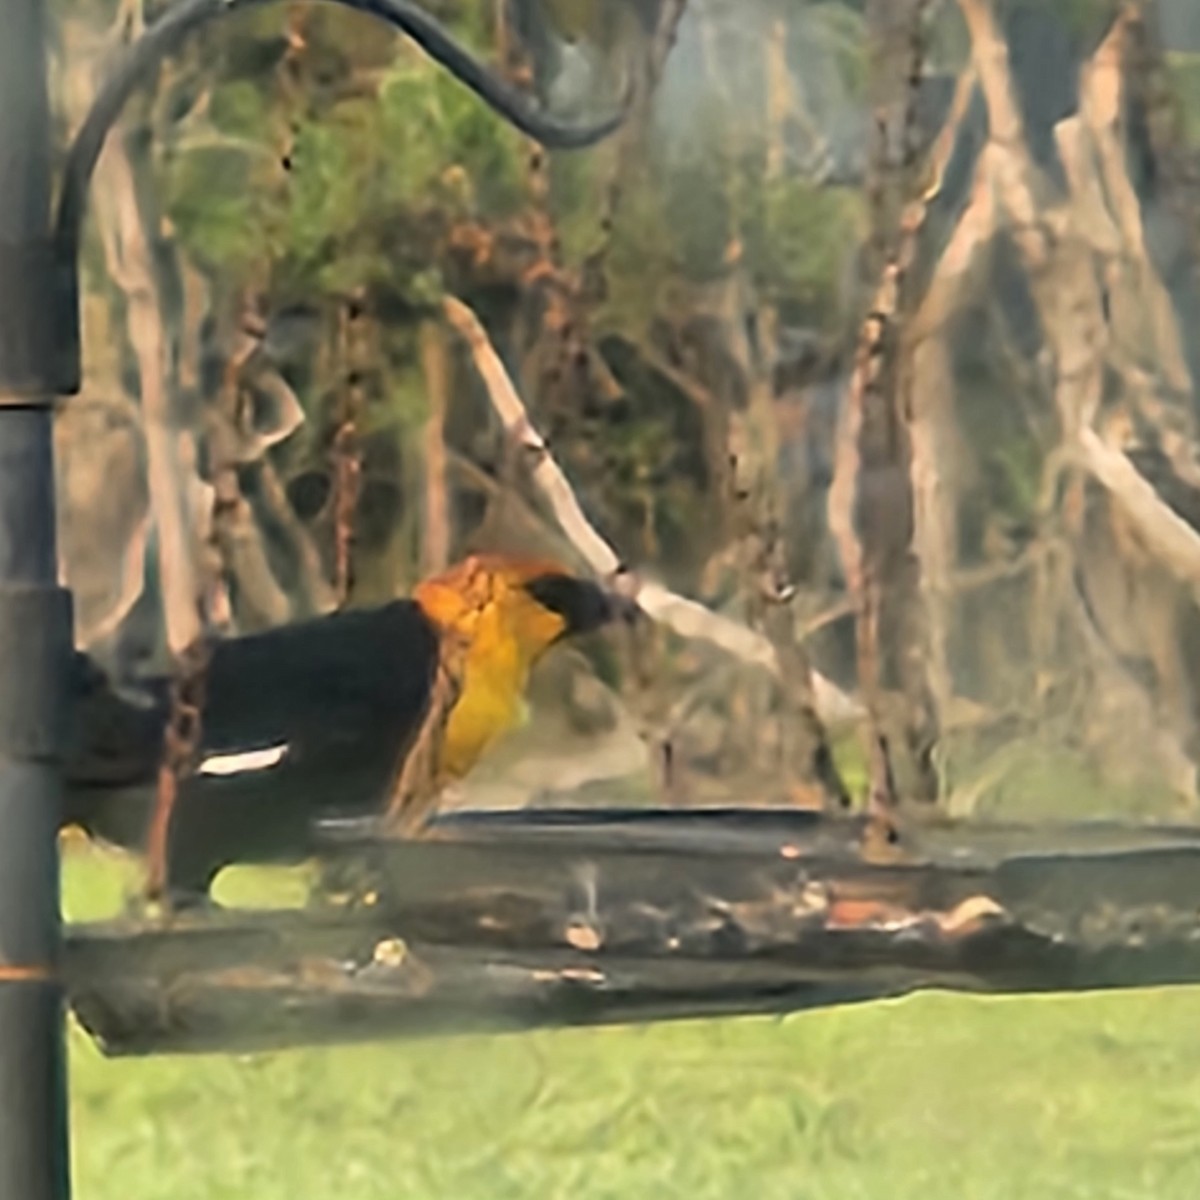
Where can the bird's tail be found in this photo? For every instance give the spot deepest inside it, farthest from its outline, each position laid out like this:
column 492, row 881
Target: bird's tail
column 112, row 759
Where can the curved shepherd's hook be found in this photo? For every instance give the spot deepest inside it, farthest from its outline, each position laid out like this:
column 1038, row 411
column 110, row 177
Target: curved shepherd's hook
column 166, row 34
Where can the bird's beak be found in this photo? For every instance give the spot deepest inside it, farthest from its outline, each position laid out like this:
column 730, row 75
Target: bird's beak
column 582, row 604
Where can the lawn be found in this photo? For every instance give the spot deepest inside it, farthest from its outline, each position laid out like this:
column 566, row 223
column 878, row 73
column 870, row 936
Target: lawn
column 932, row 1097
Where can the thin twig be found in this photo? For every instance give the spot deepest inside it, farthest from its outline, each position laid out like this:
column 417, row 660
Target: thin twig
column 1169, row 536
column 181, row 751
column 435, row 363
column 347, row 452
column 418, row 782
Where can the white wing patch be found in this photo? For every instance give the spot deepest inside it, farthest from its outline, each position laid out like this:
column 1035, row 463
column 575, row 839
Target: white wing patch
column 243, row 760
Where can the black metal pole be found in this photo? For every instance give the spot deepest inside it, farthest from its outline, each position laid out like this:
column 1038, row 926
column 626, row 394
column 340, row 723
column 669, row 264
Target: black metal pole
column 35, row 636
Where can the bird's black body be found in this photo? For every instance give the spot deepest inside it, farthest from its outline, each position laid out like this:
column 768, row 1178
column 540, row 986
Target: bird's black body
column 340, row 697
column 302, row 722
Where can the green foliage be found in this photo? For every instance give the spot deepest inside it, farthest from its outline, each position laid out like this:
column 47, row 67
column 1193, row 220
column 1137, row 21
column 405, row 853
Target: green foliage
column 364, row 161
column 1034, row 780
column 421, row 154
column 336, row 173
column 796, row 242
column 325, row 194
column 643, row 258
column 239, row 109
column 842, row 33
column 1184, row 73
column 644, row 472
column 697, row 195
column 217, row 216
column 1016, row 466
column 377, row 168
column 444, row 147
column 406, row 405
column 677, row 226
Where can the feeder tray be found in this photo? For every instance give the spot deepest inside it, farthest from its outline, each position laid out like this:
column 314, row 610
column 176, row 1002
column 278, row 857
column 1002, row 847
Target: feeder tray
column 515, row 920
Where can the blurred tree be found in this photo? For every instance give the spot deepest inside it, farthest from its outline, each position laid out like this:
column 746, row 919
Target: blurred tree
column 680, row 308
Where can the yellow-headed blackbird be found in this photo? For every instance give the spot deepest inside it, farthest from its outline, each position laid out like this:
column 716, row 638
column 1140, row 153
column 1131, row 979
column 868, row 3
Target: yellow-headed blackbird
column 314, row 720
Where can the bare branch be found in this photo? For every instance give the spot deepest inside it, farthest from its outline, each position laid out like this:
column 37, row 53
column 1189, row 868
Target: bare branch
column 872, row 501
column 418, row 783
column 130, row 263
column 1070, row 309
column 989, row 52
column 240, row 541
column 685, row 617
column 435, row 362
column 1146, row 346
column 547, row 474
column 1169, row 536
column 237, row 438
column 318, row 591
column 933, row 426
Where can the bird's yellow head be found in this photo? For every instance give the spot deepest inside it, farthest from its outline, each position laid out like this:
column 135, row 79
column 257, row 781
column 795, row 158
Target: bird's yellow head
column 505, row 613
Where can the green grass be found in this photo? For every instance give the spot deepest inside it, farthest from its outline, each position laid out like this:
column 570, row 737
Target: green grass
column 932, row 1097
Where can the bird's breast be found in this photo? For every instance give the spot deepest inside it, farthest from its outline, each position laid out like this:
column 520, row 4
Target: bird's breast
column 490, row 703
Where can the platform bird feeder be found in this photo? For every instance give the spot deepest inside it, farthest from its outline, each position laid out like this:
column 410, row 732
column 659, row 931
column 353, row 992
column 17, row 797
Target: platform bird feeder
column 515, row 920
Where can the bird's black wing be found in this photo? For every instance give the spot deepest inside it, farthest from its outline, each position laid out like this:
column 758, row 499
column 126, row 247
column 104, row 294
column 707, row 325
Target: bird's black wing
column 337, row 700
column 296, row 721
column 324, row 688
